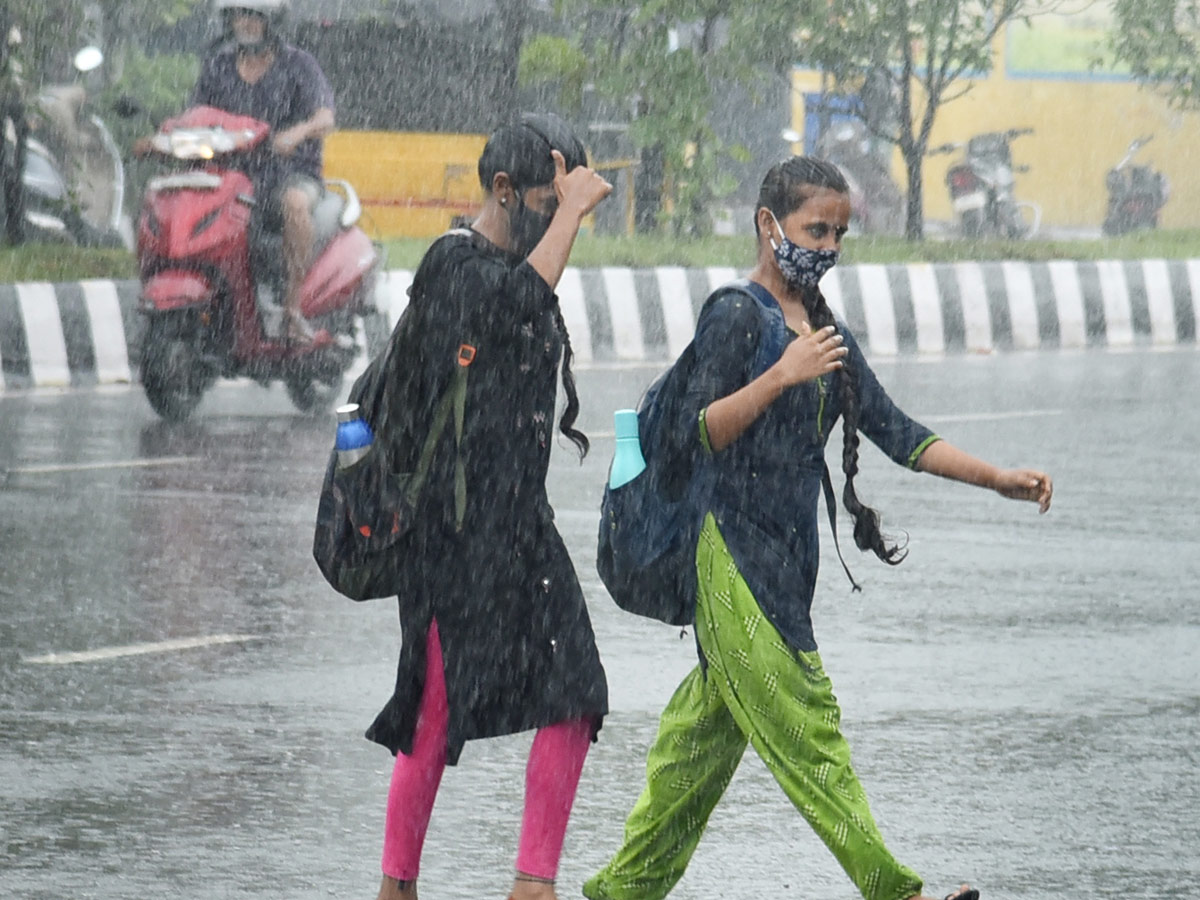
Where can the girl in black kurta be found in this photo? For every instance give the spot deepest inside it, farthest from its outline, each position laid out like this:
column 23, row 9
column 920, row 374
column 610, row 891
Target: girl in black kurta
column 496, row 635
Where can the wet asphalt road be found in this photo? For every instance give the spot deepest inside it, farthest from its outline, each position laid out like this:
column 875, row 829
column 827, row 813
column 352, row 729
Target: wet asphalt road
column 1022, row 694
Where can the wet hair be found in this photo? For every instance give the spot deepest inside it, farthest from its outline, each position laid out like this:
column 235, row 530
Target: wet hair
column 789, row 184
column 786, row 187
column 522, row 150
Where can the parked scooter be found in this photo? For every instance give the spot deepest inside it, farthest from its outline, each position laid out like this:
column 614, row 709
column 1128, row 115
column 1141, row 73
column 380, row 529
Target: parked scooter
column 73, row 176
column 981, row 188
column 876, row 203
column 213, row 281
column 1135, row 193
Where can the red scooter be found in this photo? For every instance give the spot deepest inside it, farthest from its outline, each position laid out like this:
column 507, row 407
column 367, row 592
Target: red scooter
column 213, row 281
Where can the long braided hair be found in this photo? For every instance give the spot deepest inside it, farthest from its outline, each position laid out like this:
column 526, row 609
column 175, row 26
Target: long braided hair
column 566, row 424
column 784, row 190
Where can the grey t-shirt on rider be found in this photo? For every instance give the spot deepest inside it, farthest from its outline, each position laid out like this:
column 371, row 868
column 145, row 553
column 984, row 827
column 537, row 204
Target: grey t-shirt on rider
column 291, row 91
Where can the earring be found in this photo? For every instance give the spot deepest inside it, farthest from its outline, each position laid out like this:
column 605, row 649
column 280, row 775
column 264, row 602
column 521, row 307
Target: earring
column 504, row 201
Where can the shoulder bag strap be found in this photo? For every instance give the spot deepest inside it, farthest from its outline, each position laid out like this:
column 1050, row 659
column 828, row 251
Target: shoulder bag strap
column 454, row 400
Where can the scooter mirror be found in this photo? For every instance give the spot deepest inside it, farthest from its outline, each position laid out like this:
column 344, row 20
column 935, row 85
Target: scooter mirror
column 88, row 58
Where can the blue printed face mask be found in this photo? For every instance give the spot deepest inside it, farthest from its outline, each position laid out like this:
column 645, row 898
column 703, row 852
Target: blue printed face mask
column 801, row 267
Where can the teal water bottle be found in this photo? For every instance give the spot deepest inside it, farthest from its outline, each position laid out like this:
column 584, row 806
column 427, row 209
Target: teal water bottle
column 628, row 462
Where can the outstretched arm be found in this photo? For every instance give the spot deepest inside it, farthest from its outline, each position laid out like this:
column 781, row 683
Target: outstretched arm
column 944, row 459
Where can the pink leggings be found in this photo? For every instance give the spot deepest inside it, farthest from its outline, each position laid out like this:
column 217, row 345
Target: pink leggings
column 551, row 776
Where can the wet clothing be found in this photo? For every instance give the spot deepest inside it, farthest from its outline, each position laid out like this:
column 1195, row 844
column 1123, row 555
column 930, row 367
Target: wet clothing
column 517, row 643
column 289, row 92
column 769, row 479
column 551, row 777
column 760, row 679
column 756, row 689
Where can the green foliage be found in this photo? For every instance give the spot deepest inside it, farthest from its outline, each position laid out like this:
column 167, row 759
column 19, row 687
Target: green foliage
column 549, row 58
column 1158, row 39
column 664, row 59
column 57, row 262
column 158, row 84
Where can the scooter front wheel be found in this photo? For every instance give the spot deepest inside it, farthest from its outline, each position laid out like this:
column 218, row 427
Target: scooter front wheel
column 170, row 376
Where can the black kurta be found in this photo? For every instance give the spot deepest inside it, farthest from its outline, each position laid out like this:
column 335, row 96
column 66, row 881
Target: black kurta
column 517, row 643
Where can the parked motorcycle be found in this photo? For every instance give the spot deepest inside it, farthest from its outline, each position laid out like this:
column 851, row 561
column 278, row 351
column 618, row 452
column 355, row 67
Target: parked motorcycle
column 1135, row 193
column 74, row 179
column 213, row 280
column 876, row 203
column 981, row 188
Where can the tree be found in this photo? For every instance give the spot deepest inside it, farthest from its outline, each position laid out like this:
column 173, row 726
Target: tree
column 662, row 61
column 1160, row 42
column 920, row 53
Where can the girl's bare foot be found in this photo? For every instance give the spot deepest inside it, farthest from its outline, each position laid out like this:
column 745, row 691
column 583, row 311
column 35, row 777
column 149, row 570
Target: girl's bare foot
column 394, row 889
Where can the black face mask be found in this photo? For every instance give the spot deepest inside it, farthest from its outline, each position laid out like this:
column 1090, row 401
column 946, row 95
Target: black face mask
column 526, row 227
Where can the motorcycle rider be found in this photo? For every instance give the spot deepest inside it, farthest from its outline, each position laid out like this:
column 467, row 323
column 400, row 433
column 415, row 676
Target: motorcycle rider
column 255, row 73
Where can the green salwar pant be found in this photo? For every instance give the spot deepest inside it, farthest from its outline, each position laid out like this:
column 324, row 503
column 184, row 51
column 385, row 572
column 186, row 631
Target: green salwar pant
column 756, row 689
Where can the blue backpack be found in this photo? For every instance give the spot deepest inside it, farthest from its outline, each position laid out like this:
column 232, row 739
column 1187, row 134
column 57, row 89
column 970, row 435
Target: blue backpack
column 649, row 527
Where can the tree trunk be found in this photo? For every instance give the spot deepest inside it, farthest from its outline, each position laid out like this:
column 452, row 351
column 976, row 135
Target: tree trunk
column 914, row 216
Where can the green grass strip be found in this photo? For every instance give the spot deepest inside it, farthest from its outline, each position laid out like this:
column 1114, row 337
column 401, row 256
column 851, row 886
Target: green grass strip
column 61, row 263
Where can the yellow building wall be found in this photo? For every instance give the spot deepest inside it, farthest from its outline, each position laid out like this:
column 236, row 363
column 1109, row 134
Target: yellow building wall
column 1082, row 127
column 411, row 184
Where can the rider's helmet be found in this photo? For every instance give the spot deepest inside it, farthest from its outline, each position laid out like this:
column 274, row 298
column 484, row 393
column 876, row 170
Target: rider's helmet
column 274, row 12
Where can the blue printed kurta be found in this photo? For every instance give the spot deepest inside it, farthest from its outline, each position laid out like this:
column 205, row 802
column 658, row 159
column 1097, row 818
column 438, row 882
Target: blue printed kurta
column 768, row 480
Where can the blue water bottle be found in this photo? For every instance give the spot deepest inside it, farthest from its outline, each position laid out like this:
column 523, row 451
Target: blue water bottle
column 628, row 462
column 354, row 436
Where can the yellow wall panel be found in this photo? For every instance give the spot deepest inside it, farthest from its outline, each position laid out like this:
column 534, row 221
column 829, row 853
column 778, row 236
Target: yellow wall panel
column 411, row 184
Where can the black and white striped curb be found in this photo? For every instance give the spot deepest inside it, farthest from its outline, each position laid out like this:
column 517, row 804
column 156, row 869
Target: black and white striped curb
column 89, row 332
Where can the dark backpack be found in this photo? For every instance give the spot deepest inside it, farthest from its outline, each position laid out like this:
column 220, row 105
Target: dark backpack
column 646, row 552
column 649, row 527
column 368, row 526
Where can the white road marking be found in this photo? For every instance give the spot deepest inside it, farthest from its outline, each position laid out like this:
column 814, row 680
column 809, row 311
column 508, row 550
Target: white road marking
column 676, row 305
column 927, row 308
column 44, row 335
column 1022, row 305
column 990, row 416
column 108, row 332
column 104, row 653
column 114, row 464
column 1068, row 300
column 878, row 310
column 972, row 299
column 574, row 313
column 624, row 311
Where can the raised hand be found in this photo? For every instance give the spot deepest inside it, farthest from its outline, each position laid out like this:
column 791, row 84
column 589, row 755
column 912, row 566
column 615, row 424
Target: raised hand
column 580, row 190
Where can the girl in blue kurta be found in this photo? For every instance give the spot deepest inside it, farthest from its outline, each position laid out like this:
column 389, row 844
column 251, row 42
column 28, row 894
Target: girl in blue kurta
column 761, row 679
